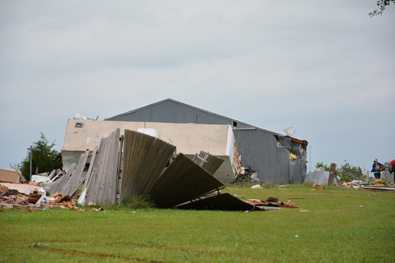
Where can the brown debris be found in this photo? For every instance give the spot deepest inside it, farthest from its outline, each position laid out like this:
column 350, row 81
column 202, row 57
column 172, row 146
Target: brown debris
column 59, row 200
column 379, row 181
column 272, row 202
column 319, row 186
column 11, row 198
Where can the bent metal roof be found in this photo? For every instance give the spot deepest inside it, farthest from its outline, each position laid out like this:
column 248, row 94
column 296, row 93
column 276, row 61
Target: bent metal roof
column 191, row 107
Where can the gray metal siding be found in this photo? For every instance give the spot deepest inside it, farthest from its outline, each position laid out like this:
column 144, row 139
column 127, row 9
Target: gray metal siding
column 298, row 170
column 172, row 112
column 259, row 150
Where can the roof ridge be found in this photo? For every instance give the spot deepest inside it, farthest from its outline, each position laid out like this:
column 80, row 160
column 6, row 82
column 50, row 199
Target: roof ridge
column 193, row 107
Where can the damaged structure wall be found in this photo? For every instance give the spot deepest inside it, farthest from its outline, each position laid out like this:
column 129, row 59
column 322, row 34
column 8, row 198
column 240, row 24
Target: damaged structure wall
column 265, row 151
column 190, row 139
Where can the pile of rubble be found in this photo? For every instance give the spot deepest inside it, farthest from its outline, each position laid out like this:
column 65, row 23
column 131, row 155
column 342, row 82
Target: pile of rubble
column 27, row 198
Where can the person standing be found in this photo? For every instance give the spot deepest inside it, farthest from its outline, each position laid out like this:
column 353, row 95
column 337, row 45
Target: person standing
column 392, row 168
column 377, row 168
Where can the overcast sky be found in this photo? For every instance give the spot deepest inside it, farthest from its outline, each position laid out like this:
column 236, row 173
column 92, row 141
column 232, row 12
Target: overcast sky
column 324, row 67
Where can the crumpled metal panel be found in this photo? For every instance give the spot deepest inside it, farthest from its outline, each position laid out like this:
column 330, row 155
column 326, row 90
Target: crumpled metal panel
column 224, row 201
column 144, row 159
column 181, row 182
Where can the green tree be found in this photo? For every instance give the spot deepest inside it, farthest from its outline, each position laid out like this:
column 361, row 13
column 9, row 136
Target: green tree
column 381, row 4
column 347, row 171
column 44, row 157
column 321, row 164
column 350, row 172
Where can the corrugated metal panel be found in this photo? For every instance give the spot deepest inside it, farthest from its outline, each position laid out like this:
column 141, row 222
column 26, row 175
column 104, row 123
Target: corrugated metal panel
column 103, row 186
column 172, row 111
column 260, row 151
column 283, row 169
column 70, row 182
column 182, row 181
column 225, row 202
column 298, row 169
column 209, row 162
column 58, row 184
column 144, row 158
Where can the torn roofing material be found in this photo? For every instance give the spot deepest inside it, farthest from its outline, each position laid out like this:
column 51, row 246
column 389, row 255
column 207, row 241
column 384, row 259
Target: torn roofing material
column 144, row 159
column 225, row 201
column 208, row 162
column 144, row 172
column 182, row 181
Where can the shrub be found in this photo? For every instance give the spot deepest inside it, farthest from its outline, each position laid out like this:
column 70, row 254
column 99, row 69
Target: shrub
column 137, row 202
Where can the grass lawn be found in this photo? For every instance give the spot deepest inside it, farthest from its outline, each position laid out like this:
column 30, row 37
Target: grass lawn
column 340, row 225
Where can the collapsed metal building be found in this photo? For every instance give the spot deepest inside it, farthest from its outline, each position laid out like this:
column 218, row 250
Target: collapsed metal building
column 276, row 157
column 137, row 164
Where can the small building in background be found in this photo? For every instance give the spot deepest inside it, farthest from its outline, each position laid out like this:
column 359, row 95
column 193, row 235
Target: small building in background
column 10, row 176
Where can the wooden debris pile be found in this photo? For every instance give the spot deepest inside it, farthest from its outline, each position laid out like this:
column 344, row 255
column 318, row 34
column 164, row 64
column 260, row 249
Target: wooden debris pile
column 238, row 166
column 33, row 199
column 12, row 198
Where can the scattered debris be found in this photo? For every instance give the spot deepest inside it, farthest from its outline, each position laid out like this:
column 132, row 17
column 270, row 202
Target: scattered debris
column 379, row 182
column 40, row 179
column 319, row 187
column 271, row 201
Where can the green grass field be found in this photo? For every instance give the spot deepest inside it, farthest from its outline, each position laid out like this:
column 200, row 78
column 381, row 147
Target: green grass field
column 341, row 225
